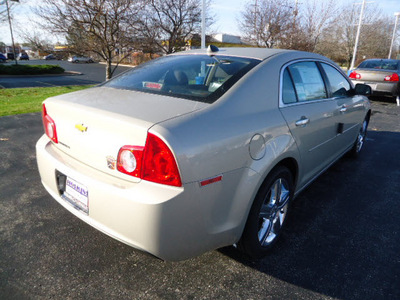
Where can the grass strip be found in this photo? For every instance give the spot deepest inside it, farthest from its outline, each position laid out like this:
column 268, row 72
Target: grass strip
column 28, row 100
column 30, row 69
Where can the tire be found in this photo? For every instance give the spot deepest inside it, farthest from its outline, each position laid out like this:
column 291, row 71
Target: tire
column 360, row 140
column 76, row 61
column 268, row 213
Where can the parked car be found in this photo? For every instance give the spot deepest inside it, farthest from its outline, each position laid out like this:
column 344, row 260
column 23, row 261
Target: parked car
column 3, row 58
column 50, row 57
column 79, row 59
column 200, row 149
column 24, row 56
column 382, row 75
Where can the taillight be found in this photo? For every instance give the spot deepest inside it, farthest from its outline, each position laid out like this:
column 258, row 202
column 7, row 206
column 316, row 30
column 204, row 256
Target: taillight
column 393, row 77
column 49, row 125
column 130, row 160
column 355, row 75
column 154, row 162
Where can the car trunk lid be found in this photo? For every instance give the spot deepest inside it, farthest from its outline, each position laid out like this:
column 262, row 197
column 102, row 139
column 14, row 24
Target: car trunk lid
column 374, row 75
column 92, row 125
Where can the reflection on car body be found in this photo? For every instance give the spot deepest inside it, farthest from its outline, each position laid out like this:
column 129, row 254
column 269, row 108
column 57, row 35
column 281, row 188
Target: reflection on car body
column 200, row 149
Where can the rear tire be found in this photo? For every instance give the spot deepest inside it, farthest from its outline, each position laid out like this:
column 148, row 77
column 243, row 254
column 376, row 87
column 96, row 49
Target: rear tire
column 360, row 140
column 268, row 213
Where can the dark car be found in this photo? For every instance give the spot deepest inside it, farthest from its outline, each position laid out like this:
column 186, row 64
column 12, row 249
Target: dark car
column 50, row 57
column 3, row 58
column 24, row 56
column 382, row 75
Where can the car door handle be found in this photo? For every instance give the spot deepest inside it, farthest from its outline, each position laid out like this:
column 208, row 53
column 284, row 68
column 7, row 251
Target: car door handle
column 302, row 122
column 343, row 109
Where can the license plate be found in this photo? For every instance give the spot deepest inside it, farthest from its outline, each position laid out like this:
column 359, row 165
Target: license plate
column 77, row 194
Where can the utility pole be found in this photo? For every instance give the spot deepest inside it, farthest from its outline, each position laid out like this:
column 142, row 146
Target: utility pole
column 12, row 35
column 397, row 14
column 255, row 22
column 353, row 60
column 203, row 26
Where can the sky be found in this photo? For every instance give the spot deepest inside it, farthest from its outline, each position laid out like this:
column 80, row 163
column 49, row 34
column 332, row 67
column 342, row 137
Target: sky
column 227, row 13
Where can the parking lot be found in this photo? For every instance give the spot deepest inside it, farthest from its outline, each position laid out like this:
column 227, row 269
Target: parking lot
column 342, row 240
column 86, row 74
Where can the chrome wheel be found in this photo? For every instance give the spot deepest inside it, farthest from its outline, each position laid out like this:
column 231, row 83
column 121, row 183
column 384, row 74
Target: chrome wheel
column 268, row 214
column 273, row 212
column 361, row 136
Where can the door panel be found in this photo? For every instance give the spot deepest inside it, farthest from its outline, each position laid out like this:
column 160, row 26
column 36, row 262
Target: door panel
column 316, row 138
column 348, row 108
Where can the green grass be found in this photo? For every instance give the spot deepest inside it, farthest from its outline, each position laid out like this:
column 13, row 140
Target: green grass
column 30, row 69
column 28, row 100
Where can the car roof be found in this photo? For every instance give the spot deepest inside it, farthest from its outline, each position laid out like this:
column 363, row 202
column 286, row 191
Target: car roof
column 257, row 53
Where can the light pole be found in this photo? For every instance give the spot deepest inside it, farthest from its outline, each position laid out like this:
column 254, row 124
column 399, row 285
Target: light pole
column 12, row 35
column 353, row 60
column 397, row 14
column 203, row 25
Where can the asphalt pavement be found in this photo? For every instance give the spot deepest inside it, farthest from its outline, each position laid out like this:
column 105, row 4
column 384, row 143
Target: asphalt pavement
column 87, row 74
column 342, row 240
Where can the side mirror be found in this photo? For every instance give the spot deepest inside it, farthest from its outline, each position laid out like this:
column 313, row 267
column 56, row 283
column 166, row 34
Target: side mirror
column 363, row 89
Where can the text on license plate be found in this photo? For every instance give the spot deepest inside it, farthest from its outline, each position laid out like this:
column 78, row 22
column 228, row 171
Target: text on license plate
column 77, row 194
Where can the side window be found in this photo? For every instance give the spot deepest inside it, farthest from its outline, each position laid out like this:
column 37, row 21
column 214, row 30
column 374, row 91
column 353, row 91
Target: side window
column 288, row 93
column 307, row 81
column 338, row 84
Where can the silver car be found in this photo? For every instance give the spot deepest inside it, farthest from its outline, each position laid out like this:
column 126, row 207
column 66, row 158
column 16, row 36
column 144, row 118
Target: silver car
column 382, row 75
column 79, row 59
column 200, row 149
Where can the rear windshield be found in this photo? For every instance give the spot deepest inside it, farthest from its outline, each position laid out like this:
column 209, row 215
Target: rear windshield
column 384, row 64
column 195, row 77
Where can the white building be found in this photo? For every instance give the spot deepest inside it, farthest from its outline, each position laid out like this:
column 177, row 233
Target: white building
column 227, row 38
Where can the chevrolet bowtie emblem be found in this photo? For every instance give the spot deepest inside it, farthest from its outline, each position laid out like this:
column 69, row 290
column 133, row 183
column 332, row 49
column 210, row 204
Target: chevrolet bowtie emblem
column 81, row 127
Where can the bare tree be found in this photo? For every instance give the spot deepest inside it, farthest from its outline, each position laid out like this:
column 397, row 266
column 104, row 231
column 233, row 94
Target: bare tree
column 36, row 41
column 337, row 41
column 168, row 23
column 104, row 27
column 266, row 22
column 317, row 17
column 3, row 10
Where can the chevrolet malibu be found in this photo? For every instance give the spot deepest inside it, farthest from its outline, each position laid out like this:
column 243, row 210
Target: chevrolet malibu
column 200, row 149
column 382, row 75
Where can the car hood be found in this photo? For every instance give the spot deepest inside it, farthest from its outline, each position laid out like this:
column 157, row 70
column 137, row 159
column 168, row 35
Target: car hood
column 93, row 124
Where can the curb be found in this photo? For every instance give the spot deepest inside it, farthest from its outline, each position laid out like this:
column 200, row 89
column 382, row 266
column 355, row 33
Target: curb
column 122, row 65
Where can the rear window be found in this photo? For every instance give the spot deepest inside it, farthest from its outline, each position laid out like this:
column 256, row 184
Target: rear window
column 383, row 64
column 195, row 77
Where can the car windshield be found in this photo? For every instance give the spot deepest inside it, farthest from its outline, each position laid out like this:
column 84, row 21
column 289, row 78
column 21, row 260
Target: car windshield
column 195, row 77
column 384, row 64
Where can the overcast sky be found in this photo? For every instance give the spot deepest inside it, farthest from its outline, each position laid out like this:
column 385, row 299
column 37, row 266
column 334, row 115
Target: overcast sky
column 226, row 11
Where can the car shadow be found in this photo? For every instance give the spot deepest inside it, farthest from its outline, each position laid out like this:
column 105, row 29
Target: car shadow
column 342, row 237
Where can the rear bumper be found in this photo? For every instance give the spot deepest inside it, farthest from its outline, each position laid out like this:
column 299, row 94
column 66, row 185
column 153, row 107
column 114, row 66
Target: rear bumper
column 167, row 222
column 382, row 88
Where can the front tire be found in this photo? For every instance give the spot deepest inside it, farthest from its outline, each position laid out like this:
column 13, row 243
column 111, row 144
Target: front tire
column 268, row 213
